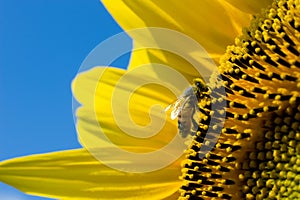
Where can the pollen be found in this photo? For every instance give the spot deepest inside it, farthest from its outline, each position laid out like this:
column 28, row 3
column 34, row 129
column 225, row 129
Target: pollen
column 257, row 154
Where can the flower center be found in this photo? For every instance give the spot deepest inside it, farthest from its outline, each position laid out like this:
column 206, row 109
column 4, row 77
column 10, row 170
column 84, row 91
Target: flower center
column 257, row 155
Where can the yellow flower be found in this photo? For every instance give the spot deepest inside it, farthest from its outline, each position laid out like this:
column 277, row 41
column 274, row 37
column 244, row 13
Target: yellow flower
column 257, row 154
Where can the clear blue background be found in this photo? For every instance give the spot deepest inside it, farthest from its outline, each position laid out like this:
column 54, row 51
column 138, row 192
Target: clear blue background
column 42, row 44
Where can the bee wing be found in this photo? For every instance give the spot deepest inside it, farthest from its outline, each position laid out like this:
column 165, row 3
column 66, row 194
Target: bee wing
column 176, row 107
column 175, row 113
column 169, row 107
column 172, row 106
column 179, row 106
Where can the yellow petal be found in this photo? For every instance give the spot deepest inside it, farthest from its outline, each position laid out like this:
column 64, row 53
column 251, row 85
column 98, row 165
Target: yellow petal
column 101, row 95
column 212, row 23
column 75, row 174
column 126, row 108
column 250, row 6
column 186, row 56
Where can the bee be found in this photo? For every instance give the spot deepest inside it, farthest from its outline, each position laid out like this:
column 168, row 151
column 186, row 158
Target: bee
column 186, row 108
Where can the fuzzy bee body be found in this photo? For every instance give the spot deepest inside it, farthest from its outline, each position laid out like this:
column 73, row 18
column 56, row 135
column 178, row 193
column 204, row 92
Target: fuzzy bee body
column 186, row 109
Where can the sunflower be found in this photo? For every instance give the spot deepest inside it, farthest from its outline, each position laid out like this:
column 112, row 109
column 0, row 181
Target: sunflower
column 256, row 156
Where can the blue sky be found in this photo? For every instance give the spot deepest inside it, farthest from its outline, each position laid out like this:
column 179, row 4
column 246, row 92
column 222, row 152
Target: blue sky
column 42, row 44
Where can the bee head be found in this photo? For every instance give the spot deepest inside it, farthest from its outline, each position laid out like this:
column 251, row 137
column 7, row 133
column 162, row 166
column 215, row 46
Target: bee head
column 199, row 83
